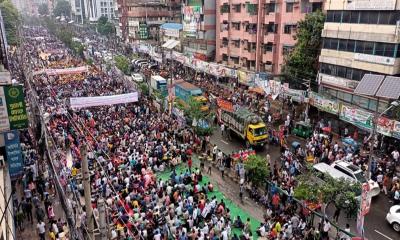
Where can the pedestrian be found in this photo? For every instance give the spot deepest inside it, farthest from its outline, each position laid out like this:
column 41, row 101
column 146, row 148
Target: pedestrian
column 325, row 229
column 41, row 230
column 209, row 169
column 222, row 168
column 189, row 163
column 28, row 210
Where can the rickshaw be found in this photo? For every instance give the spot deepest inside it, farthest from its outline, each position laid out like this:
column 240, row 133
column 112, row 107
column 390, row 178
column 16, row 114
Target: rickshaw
column 295, row 146
column 302, row 129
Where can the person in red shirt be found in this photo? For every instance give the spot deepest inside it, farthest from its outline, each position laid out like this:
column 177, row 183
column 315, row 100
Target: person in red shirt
column 275, row 200
column 190, row 164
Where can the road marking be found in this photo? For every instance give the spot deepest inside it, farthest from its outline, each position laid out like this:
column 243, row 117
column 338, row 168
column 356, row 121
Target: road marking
column 224, row 142
column 383, row 235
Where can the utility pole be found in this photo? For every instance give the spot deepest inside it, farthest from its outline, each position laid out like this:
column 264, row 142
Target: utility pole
column 88, row 193
column 102, row 219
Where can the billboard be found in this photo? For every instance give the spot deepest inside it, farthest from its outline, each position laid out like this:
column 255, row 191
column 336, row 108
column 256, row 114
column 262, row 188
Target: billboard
column 191, row 20
column 14, row 154
column 12, row 108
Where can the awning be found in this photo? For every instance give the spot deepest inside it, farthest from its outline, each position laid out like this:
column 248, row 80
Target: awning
column 369, row 84
column 390, row 88
column 173, row 44
column 167, row 43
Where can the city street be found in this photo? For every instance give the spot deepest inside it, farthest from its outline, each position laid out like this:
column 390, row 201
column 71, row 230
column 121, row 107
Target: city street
column 376, row 226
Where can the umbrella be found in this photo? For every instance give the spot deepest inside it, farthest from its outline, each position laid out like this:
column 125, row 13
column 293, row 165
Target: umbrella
column 295, row 144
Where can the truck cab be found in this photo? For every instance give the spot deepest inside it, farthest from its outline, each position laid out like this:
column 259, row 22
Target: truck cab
column 256, row 134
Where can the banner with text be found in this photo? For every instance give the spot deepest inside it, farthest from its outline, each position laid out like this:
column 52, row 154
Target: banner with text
column 82, row 102
column 323, row 103
column 357, row 117
column 14, row 154
column 12, row 108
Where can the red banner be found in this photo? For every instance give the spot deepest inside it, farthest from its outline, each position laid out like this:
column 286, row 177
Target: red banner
column 225, row 105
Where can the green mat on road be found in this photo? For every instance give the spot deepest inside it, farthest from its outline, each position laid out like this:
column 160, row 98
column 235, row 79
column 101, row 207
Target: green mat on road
column 233, row 207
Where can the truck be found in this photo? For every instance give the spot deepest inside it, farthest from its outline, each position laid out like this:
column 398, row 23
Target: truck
column 159, row 83
column 184, row 91
column 246, row 124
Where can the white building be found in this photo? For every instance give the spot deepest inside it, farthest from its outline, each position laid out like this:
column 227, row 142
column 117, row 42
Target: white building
column 92, row 10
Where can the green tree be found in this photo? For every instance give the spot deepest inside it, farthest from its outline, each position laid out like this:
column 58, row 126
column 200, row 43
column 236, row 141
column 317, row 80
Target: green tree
column 342, row 193
column 257, row 169
column 11, row 20
column 302, row 63
column 144, row 89
column 122, row 63
column 43, row 9
column 105, row 27
column 62, row 8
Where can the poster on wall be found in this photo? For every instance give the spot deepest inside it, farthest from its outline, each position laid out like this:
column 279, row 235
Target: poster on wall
column 191, row 20
column 396, row 129
column 14, row 154
column 12, row 108
column 324, row 104
column 385, row 126
column 357, row 117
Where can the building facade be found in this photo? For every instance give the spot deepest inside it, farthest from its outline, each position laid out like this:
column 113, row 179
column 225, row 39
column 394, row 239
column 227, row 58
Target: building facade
column 199, row 29
column 257, row 35
column 141, row 19
column 360, row 37
column 92, row 10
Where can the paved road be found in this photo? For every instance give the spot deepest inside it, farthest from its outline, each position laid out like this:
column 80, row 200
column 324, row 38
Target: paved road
column 376, row 227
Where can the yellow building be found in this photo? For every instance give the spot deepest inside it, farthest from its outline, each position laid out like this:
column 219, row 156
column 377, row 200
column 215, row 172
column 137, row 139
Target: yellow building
column 360, row 37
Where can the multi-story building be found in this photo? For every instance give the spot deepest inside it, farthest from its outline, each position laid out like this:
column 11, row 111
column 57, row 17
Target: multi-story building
column 198, row 20
column 360, row 37
column 257, row 34
column 141, row 19
column 92, row 10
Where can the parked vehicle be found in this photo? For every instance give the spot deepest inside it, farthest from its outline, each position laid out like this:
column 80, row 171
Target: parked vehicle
column 137, row 77
column 184, row 91
column 302, row 129
column 159, row 83
column 393, row 217
column 247, row 125
column 357, row 174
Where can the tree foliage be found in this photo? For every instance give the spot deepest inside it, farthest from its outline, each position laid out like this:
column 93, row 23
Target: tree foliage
column 257, row 169
column 302, row 63
column 11, row 20
column 122, row 63
column 62, row 8
column 342, row 193
column 105, row 27
column 43, row 9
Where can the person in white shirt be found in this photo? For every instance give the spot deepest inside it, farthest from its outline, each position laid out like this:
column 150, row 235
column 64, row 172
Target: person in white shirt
column 41, row 229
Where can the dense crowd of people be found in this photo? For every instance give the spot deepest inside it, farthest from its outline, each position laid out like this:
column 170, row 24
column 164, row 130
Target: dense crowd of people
column 129, row 145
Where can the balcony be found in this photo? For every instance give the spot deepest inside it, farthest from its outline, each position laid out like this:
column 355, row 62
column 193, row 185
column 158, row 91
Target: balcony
column 249, row 55
column 234, row 51
column 269, row 38
column 251, row 37
column 267, row 56
column 223, row 49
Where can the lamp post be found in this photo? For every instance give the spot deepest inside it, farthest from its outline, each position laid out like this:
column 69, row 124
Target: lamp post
column 373, row 133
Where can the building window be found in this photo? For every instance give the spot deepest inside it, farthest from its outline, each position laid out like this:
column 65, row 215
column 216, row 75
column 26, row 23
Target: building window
column 343, row 72
column 225, row 42
column 268, row 47
column 236, row 43
column 252, row 8
column 371, row 48
column 286, row 50
column 235, row 60
column 270, row 7
column 364, row 17
column 225, row 8
column 289, row 7
column 236, row 25
column 287, row 29
column 237, row 8
column 224, row 57
column 271, row 27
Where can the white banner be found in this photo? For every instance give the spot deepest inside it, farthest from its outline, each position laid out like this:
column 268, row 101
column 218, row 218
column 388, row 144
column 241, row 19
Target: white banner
column 61, row 71
column 82, row 102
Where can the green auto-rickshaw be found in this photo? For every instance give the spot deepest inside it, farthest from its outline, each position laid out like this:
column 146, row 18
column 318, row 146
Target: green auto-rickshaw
column 302, row 129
